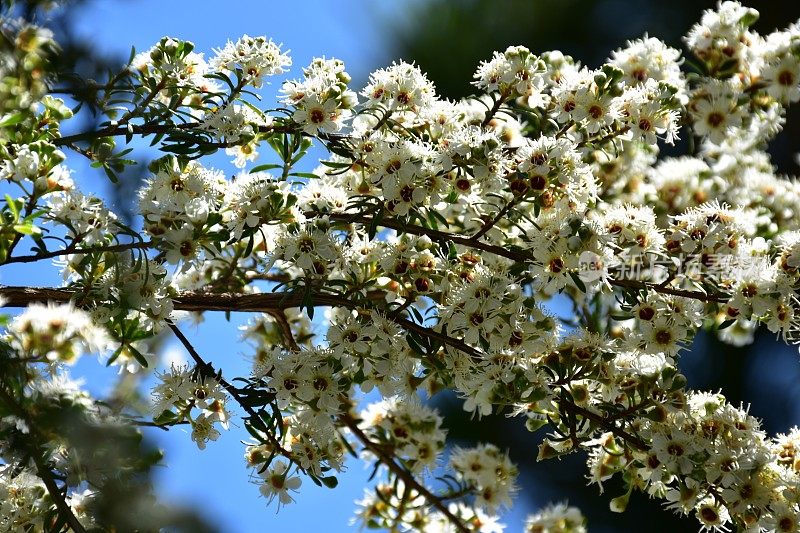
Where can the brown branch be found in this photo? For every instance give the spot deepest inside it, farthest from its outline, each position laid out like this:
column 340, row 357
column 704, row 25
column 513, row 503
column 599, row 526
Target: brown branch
column 491, row 223
column 515, row 255
column 604, row 423
column 408, row 478
column 606, row 138
column 143, row 104
column 493, row 111
column 115, row 131
column 44, row 473
column 438, row 235
column 270, row 302
column 73, row 249
column 207, row 370
column 286, row 329
column 695, row 295
column 232, row 302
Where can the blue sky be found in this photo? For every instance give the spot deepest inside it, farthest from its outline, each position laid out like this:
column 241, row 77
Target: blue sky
column 216, row 480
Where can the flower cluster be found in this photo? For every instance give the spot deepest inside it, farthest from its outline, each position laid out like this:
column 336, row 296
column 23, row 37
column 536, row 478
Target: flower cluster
column 489, row 472
column 58, row 334
column 322, row 100
column 558, row 518
column 411, row 430
column 253, row 57
column 184, row 395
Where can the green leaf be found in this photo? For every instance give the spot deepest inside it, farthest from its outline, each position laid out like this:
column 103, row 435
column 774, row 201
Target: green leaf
column 336, row 164
column 749, row 18
column 10, row 120
column 373, row 225
column 137, row 355
column 110, row 173
column 249, row 249
column 115, row 355
column 621, row 316
column 260, row 168
column 27, row 229
column 726, row 324
column 578, row 281
column 308, row 303
column 415, row 345
column 12, row 205
column 331, row 482
column 165, row 417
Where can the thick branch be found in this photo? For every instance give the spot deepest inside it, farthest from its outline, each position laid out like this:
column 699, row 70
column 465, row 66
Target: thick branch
column 232, row 302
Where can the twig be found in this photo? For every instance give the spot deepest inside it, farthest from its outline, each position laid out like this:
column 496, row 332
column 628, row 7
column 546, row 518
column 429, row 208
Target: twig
column 207, row 369
column 491, row 223
column 402, row 473
column 41, row 468
column 143, row 104
column 604, row 423
column 73, row 249
column 493, row 111
column 286, row 329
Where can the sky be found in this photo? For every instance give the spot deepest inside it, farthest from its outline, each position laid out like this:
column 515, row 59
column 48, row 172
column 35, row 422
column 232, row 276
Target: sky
column 215, row 481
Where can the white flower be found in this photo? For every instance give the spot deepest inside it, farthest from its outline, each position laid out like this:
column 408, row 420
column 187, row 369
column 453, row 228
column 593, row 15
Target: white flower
column 783, row 79
column 203, row 430
column 317, row 116
column 556, row 518
column 56, row 333
column 278, row 483
column 255, row 57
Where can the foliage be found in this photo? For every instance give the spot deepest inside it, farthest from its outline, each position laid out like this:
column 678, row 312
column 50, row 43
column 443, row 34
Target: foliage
column 434, row 234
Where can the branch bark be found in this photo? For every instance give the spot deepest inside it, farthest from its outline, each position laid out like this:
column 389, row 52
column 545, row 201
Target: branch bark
column 402, row 473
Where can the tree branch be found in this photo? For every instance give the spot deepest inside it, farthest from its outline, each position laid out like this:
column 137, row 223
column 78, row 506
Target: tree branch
column 73, row 249
column 516, row 254
column 402, row 473
column 607, row 424
column 42, row 470
column 207, row 370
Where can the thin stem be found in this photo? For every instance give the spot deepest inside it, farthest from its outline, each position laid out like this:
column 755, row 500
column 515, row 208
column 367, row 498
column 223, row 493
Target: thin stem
column 491, row 223
column 408, row 478
column 604, row 423
column 605, row 138
column 207, row 369
column 73, row 249
column 495, row 108
column 42, row 470
column 29, row 207
column 144, row 103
